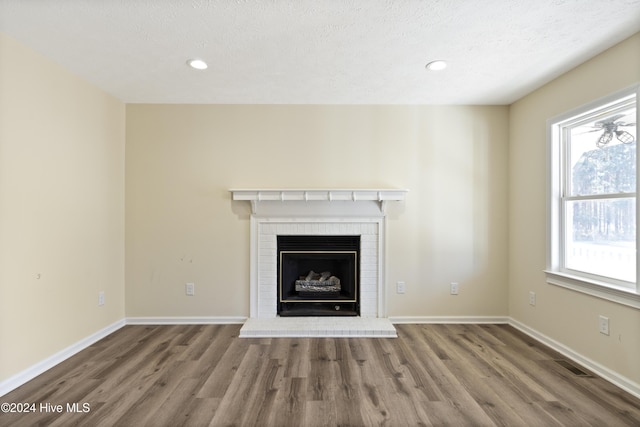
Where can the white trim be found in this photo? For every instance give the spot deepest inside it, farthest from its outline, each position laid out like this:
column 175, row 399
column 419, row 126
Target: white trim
column 611, row 290
column 255, row 196
column 293, row 194
column 382, row 268
column 205, row 320
column 254, row 240
column 449, row 319
column 613, row 377
column 594, row 288
column 33, row 371
column 262, row 303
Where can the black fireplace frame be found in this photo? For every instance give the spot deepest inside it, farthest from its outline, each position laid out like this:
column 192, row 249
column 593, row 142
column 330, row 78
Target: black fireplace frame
column 341, row 253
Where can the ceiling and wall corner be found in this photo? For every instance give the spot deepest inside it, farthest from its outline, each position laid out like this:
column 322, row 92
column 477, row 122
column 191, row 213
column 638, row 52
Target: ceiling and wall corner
column 320, row 52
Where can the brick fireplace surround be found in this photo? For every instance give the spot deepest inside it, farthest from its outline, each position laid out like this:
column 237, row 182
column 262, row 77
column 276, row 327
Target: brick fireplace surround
column 317, row 212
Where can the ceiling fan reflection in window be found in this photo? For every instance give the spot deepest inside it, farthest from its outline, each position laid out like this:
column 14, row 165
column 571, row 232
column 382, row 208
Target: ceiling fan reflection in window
column 610, row 127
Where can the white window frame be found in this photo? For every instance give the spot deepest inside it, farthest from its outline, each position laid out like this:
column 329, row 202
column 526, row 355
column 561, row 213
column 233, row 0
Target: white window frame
column 556, row 274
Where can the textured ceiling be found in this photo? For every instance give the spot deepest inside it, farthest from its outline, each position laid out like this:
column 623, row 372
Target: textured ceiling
column 319, row 51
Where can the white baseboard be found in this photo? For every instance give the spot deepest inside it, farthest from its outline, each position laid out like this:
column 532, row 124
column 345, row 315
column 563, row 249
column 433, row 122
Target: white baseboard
column 449, row 319
column 28, row 374
column 600, row 370
column 222, row 320
column 613, row 377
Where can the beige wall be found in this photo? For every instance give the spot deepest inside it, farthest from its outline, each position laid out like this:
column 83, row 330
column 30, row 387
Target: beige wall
column 61, row 208
column 566, row 316
column 182, row 226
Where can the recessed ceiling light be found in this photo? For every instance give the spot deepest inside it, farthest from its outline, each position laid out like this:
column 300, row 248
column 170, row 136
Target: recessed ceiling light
column 198, row 64
column 436, row 65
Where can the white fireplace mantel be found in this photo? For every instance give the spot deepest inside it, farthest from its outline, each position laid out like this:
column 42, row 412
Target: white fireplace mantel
column 256, row 196
column 352, row 212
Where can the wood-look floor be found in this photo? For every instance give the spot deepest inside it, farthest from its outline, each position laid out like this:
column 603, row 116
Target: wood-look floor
column 441, row 375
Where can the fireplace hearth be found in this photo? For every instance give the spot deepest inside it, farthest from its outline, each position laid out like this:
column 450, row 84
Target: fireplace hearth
column 318, row 275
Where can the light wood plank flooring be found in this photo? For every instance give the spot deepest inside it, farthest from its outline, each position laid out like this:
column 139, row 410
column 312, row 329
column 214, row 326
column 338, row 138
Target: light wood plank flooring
column 440, row 375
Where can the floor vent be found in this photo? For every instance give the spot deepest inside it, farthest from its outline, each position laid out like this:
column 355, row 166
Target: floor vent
column 576, row 371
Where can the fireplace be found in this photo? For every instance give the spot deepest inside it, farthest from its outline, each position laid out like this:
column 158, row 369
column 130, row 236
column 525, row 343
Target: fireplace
column 318, row 275
column 322, row 213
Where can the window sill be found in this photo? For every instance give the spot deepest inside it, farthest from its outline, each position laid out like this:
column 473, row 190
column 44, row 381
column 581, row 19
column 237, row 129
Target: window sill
column 594, row 288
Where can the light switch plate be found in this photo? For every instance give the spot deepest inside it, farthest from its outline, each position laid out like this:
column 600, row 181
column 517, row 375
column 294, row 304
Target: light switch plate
column 190, row 289
column 454, row 288
column 401, row 287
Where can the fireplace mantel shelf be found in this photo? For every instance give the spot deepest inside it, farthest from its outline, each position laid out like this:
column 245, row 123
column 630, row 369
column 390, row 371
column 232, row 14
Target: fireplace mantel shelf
column 382, row 196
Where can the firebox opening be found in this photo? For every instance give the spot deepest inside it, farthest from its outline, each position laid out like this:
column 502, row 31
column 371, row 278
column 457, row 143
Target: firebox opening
column 318, row 275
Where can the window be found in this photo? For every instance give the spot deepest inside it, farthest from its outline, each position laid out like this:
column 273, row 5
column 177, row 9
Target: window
column 592, row 242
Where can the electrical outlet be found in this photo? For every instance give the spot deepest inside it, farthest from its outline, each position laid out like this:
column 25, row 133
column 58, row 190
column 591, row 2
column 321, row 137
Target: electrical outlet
column 454, row 288
column 604, row 325
column 190, row 289
column 400, row 287
column 101, row 298
column 532, row 298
